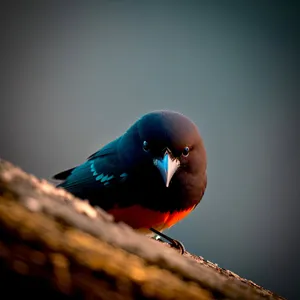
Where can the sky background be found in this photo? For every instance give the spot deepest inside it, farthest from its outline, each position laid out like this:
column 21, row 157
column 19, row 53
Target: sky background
column 75, row 75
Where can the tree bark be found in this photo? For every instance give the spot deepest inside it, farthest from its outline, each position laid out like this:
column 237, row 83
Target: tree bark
column 53, row 244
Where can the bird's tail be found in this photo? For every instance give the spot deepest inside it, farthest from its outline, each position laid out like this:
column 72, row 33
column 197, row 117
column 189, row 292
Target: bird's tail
column 63, row 175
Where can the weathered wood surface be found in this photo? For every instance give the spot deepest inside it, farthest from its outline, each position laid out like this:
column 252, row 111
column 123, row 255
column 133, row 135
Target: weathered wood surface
column 53, row 244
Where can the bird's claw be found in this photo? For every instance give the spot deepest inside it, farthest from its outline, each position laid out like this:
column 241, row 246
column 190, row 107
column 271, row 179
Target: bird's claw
column 174, row 243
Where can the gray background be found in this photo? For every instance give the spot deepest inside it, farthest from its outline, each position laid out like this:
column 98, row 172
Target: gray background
column 75, row 76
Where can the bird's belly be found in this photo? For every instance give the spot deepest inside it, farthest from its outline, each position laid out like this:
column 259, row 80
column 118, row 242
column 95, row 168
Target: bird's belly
column 142, row 219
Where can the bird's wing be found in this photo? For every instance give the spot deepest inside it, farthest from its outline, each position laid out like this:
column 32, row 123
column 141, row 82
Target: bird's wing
column 102, row 169
column 109, row 149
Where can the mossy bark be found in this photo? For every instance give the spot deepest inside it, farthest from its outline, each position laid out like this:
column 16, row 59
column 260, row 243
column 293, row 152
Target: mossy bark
column 55, row 245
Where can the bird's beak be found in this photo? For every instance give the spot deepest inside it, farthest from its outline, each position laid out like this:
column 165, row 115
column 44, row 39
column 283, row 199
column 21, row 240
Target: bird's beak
column 167, row 166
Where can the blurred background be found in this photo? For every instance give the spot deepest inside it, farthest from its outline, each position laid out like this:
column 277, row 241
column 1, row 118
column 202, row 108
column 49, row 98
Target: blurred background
column 75, row 75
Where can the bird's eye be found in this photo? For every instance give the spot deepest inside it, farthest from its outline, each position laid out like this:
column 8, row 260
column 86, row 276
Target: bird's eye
column 146, row 146
column 186, row 151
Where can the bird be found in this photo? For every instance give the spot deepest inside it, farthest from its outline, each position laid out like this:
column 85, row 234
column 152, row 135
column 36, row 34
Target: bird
column 150, row 177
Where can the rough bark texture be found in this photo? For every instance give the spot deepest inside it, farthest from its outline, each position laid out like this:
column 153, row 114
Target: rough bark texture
column 53, row 244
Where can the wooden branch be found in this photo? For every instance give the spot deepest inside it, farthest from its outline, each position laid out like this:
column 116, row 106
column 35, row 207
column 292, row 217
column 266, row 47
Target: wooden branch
column 53, row 244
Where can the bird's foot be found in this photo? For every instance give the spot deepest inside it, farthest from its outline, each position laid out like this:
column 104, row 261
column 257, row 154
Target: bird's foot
column 174, row 243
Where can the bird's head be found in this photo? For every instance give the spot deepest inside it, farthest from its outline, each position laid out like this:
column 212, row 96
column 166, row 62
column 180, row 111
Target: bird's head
column 171, row 142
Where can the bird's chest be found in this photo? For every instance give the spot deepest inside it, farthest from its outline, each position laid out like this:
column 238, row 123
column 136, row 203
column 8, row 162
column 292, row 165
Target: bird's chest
column 149, row 190
column 142, row 218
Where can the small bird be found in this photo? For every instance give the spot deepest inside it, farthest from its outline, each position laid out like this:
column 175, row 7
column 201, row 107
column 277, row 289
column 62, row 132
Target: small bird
column 150, row 177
